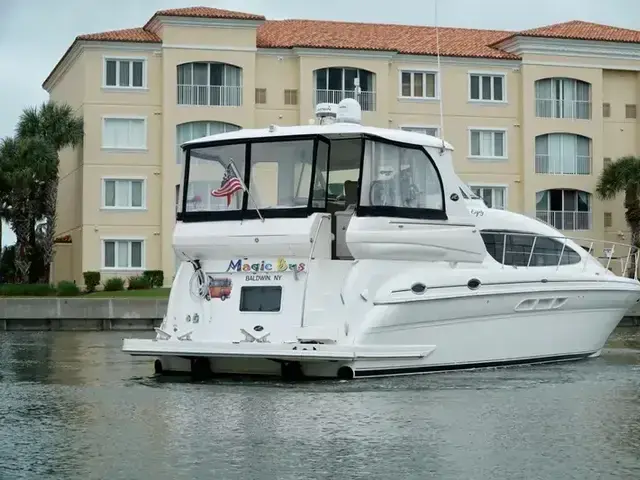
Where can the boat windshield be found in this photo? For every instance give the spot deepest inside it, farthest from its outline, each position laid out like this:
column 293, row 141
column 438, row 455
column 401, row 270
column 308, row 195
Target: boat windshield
column 295, row 176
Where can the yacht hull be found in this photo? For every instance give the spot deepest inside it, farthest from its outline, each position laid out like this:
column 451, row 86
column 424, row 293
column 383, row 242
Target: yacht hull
column 419, row 337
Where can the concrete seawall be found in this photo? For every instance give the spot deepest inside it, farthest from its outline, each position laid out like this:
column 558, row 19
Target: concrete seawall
column 81, row 313
column 46, row 314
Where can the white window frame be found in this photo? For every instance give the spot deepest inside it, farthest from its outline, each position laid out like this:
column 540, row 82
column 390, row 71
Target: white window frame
column 503, row 158
column 480, row 73
column 492, row 186
column 424, row 127
column 103, row 194
column 179, row 153
column 118, row 59
column 128, row 238
column 125, row 117
column 422, row 71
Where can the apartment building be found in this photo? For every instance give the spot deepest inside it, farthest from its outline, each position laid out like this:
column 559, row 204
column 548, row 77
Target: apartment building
column 533, row 115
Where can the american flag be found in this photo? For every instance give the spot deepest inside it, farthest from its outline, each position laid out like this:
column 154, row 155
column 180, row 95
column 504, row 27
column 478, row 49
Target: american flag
column 230, row 184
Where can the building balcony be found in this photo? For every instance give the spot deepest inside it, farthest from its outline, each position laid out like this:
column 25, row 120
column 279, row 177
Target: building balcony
column 210, row 95
column 566, row 220
column 366, row 99
column 552, row 165
column 571, row 109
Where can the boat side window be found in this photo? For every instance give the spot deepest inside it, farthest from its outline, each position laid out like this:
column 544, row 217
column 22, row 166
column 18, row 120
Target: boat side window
column 547, row 251
column 281, row 173
column 397, row 180
column 213, row 183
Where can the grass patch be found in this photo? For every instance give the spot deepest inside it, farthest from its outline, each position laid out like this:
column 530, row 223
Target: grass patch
column 148, row 293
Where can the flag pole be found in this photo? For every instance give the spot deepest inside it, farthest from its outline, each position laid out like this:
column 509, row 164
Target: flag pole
column 244, row 187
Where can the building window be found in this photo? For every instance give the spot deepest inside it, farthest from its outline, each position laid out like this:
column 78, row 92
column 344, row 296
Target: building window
column 563, row 154
column 433, row 131
column 418, row 85
column 291, row 97
column 123, row 254
column 608, row 219
column 564, row 209
column 214, row 84
column 124, row 133
column 124, row 73
column 563, row 98
column 493, row 197
column 487, row 87
column 606, row 110
column 261, row 96
column 123, row 194
column 332, row 85
column 486, row 143
column 186, row 132
column 630, row 111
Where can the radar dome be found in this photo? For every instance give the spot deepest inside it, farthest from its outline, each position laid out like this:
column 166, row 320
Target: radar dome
column 349, row 111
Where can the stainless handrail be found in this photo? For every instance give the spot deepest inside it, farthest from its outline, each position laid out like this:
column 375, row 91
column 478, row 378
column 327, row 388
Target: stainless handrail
column 306, row 278
column 633, row 253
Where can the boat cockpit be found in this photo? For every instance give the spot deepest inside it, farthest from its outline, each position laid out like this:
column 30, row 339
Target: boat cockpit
column 293, row 172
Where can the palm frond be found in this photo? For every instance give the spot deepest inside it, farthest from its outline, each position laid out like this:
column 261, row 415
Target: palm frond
column 618, row 176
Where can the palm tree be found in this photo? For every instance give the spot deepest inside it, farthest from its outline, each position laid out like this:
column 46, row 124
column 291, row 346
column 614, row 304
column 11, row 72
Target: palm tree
column 25, row 164
column 60, row 127
column 623, row 176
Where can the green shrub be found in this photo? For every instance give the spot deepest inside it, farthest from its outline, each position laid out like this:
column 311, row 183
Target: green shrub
column 91, row 281
column 67, row 288
column 26, row 290
column 139, row 283
column 155, row 277
column 114, row 284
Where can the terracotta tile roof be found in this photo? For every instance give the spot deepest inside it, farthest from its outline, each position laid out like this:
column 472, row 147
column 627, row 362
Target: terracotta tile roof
column 405, row 39
column 205, row 12
column 416, row 40
column 126, row 35
column 579, row 30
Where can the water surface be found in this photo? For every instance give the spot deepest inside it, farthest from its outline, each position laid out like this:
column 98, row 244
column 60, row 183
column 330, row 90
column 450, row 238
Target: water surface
column 72, row 406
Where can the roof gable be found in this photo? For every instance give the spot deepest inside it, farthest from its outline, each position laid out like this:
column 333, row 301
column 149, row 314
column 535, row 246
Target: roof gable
column 581, row 30
column 204, row 12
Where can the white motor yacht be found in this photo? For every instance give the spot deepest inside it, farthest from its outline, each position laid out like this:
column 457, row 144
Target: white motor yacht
column 401, row 271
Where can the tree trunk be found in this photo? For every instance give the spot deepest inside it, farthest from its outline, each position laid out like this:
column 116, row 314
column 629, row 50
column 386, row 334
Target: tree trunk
column 51, row 198
column 23, row 249
column 632, row 215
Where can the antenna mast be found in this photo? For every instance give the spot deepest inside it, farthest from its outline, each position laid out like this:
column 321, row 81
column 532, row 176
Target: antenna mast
column 439, row 77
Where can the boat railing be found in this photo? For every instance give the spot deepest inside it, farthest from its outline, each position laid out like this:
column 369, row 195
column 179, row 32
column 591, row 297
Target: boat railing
column 524, row 249
column 314, row 240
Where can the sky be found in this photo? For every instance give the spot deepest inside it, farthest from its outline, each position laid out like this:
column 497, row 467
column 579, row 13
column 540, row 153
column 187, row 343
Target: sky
column 35, row 33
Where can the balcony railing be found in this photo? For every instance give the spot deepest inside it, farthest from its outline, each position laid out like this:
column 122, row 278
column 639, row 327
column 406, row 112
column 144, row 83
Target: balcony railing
column 367, row 100
column 565, row 220
column 553, row 108
column 578, row 165
column 211, row 95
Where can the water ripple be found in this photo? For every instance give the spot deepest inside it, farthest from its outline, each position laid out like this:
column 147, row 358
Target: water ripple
column 72, row 406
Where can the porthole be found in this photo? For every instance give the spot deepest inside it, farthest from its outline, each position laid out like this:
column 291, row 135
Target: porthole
column 473, row 284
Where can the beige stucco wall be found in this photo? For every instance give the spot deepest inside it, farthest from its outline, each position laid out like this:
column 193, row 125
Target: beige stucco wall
column 82, row 171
